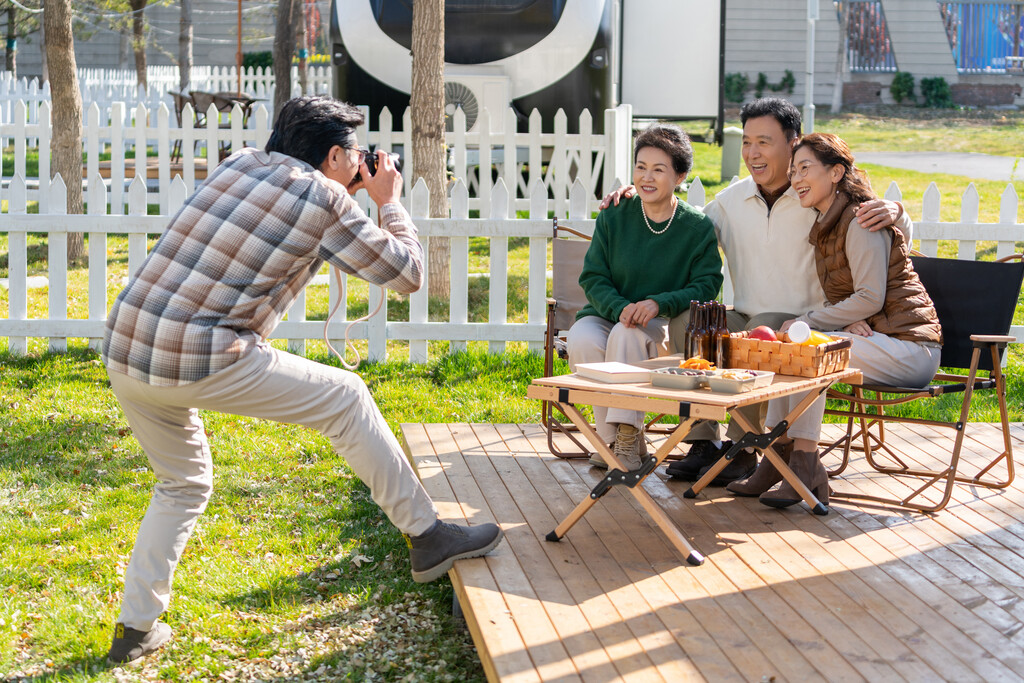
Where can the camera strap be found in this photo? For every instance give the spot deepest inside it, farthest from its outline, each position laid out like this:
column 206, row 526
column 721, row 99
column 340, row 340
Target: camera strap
column 348, row 344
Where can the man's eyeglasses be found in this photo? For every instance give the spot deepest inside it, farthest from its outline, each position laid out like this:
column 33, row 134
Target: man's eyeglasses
column 801, row 170
column 362, row 151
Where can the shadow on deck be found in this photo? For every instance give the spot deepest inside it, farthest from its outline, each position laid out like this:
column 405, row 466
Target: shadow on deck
column 861, row 594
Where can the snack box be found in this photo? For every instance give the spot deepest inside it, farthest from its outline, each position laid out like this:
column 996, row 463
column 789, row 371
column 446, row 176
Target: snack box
column 726, row 385
column 679, row 378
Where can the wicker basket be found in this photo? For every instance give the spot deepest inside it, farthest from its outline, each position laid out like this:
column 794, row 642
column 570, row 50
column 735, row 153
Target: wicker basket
column 785, row 358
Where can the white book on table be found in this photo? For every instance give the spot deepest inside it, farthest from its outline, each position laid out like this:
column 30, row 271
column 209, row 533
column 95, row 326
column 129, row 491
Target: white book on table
column 613, row 372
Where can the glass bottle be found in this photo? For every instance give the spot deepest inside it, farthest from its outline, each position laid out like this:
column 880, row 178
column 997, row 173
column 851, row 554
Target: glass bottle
column 691, row 324
column 699, row 337
column 708, row 332
column 721, row 338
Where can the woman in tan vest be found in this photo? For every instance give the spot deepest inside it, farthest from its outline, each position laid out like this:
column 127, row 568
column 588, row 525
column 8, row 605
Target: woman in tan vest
column 874, row 298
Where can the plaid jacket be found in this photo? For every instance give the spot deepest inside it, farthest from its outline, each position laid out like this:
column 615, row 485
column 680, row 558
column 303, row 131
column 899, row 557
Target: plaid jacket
column 235, row 257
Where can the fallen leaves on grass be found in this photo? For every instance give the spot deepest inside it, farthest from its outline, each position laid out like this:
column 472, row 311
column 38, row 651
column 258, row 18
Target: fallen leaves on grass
column 332, row 640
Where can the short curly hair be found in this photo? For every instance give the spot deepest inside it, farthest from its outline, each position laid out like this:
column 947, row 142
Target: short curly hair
column 669, row 139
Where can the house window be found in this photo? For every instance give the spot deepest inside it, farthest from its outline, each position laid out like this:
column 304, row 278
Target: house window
column 985, row 37
column 868, row 48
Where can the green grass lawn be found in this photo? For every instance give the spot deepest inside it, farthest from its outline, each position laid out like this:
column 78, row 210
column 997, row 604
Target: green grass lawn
column 291, row 548
column 293, row 572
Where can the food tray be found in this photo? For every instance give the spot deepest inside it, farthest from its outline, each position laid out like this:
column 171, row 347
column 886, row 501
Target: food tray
column 761, row 378
column 679, row 378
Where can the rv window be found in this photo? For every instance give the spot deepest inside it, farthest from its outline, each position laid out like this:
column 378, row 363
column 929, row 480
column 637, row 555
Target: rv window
column 491, row 6
column 487, row 5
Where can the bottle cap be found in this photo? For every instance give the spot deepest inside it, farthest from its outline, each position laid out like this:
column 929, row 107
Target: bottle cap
column 799, row 332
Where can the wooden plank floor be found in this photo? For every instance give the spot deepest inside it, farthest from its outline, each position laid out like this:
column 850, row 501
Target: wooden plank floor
column 863, row 594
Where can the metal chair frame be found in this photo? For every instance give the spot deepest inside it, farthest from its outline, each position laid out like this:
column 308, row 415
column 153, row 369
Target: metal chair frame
column 553, row 344
column 866, row 417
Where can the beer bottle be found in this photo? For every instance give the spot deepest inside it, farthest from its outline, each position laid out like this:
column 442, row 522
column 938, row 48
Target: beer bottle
column 721, row 338
column 708, row 333
column 690, row 326
column 699, row 338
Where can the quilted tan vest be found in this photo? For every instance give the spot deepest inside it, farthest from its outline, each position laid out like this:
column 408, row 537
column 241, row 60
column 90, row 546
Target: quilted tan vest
column 908, row 312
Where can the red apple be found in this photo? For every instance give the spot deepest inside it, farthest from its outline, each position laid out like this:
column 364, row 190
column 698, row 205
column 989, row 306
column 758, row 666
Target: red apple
column 764, row 333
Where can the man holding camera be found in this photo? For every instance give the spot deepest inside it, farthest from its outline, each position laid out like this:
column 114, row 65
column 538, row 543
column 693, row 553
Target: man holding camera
column 189, row 332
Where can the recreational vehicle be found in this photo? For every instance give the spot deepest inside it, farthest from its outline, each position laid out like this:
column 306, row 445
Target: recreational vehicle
column 662, row 56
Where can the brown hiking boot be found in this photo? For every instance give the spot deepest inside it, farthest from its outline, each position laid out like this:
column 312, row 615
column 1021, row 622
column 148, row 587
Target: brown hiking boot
column 763, row 478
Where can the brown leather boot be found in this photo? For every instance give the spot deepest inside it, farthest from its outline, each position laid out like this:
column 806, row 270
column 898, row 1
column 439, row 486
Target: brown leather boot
column 763, row 478
column 806, row 465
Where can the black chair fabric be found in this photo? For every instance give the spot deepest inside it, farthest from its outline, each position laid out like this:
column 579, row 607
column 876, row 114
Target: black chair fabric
column 971, row 297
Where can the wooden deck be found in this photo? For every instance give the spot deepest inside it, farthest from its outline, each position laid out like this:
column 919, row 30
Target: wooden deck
column 861, row 594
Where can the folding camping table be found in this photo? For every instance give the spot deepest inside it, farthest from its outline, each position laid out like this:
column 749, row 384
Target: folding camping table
column 566, row 391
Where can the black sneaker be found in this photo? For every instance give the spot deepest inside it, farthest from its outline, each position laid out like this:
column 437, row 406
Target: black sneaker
column 740, row 467
column 702, row 454
column 130, row 644
column 434, row 552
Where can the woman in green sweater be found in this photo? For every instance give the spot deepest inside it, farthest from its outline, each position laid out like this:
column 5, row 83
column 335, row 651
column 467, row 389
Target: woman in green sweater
column 650, row 256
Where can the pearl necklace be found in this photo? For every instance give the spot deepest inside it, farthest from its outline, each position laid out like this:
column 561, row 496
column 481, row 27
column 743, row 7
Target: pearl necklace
column 675, row 203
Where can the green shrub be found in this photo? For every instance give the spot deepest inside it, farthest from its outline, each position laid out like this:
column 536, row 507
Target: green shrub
column 256, row 60
column 736, row 86
column 902, row 87
column 936, row 93
column 785, row 85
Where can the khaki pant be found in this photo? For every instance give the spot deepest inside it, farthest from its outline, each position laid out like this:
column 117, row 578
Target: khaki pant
column 263, row 383
column 737, row 322
column 882, row 360
column 593, row 340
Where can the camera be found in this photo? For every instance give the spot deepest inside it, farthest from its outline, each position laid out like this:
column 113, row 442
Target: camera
column 371, row 162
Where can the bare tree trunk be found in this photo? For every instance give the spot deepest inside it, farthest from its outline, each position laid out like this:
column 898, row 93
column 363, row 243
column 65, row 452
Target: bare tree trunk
column 284, row 44
column 302, row 40
column 45, row 66
column 66, row 146
column 139, row 39
column 428, row 150
column 185, row 46
column 124, row 47
column 844, row 32
column 12, row 41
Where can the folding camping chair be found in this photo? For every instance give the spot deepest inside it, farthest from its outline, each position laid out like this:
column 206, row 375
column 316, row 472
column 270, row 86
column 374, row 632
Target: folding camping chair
column 180, row 100
column 201, row 101
column 975, row 301
column 567, row 298
column 568, row 248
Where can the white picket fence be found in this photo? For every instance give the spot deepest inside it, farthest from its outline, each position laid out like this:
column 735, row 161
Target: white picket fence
column 17, row 223
column 104, row 87
column 417, row 330
column 555, row 157
column 209, row 78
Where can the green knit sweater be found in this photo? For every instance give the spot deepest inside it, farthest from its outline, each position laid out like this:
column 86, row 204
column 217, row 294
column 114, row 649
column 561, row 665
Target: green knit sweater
column 627, row 263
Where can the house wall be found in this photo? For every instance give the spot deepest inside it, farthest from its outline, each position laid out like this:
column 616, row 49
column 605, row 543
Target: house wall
column 772, row 37
column 919, row 39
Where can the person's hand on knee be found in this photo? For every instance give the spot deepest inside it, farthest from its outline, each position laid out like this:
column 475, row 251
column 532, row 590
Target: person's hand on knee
column 645, row 312
column 627, row 315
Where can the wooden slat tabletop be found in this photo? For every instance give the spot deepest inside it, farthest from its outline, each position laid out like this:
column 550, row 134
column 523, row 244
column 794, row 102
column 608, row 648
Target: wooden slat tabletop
column 865, row 593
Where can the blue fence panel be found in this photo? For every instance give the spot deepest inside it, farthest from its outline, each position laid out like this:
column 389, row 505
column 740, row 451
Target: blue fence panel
column 983, row 35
